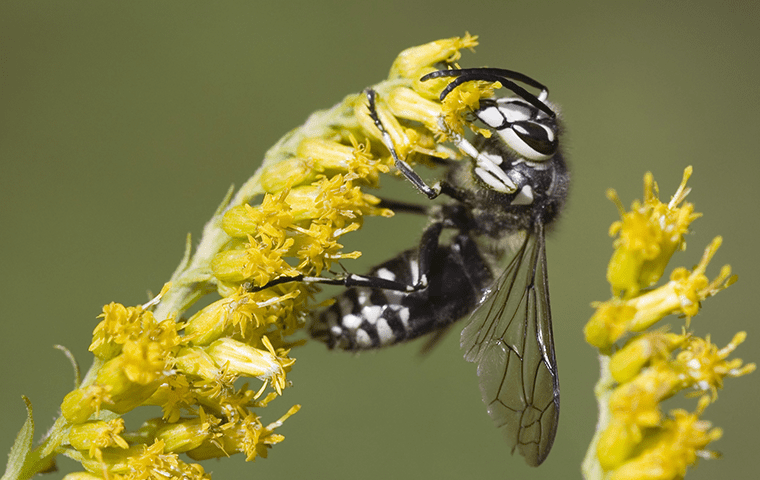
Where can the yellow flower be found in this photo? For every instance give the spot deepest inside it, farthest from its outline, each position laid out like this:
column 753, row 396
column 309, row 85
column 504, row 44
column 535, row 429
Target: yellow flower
column 174, row 395
column 78, row 405
column 641, row 351
column 648, row 236
column 188, row 434
column 682, row 295
column 95, row 435
column 412, row 60
column 706, row 365
column 271, row 218
column 119, row 323
column 677, row 445
column 248, row 436
column 245, row 360
column 635, row 439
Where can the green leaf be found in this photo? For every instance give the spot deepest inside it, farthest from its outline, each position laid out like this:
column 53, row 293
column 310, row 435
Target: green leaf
column 22, row 447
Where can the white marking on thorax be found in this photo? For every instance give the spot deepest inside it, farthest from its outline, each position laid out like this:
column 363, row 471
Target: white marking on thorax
column 525, row 197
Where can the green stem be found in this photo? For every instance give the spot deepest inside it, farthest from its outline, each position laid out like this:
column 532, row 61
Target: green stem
column 193, row 278
column 603, row 389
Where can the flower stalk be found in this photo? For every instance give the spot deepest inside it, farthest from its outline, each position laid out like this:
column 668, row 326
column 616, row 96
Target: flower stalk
column 287, row 220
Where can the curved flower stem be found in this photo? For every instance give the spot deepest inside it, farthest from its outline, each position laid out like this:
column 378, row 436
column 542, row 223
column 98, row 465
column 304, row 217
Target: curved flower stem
column 193, row 278
column 602, row 391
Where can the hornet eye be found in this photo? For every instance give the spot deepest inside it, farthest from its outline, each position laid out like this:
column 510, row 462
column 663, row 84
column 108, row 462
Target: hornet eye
column 537, row 137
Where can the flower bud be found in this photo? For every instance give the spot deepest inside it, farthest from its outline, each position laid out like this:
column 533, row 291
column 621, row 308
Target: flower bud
column 245, row 360
column 195, row 361
column 97, row 434
column 410, row 61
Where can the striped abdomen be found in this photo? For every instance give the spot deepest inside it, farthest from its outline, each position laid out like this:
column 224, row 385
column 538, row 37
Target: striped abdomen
column 363, row 318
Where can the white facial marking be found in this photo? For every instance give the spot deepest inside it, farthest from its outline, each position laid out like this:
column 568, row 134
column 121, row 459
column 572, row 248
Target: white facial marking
column 336, row 331
column 516, row 111
column 534, row 165
column 549, row 133
column 384, row 332
column 491, row 116
column 518, row 145
column 492, row 157
column 462, row 143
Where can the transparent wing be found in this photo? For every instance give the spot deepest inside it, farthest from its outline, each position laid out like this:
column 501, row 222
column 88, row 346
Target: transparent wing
column 510, row 338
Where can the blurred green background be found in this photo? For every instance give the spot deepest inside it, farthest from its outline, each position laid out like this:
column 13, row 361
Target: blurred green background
column 123, row 124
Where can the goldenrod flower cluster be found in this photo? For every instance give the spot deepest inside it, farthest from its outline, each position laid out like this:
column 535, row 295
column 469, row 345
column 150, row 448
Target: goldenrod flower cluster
column 635, row 439
column 286, row 221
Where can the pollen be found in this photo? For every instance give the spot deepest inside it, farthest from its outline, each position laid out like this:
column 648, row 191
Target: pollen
column 706, row 364
column 463, row 100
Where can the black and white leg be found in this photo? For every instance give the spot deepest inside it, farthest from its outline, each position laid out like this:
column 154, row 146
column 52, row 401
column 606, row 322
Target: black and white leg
column 401, row 165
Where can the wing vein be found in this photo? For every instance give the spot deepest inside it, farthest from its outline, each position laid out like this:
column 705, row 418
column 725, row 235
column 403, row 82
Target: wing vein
column 509, row 337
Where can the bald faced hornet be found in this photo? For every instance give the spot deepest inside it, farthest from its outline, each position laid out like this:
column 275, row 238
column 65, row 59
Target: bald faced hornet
column 492, row 265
